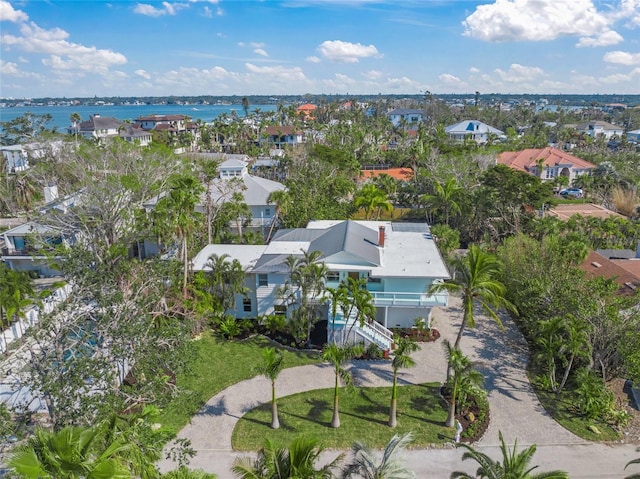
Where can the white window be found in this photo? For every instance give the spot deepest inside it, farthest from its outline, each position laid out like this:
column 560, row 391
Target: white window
column 333, row 276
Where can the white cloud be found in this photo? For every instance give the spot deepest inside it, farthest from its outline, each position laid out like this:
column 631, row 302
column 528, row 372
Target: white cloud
column 519, row 73
column 168, row 8
column 373, row 74
column 8, row 13
column 143, row 73
column 8, row 68
column 313, row 59
column 615, row 78
column 257, row 45
column 449, row 79
column 604, row 39
column 403, row 84
column 64, row 55
column 537, row 20
column 622, row 58
column 261, row 52
column 346, row 52
column 474, row 70
column 278, row 72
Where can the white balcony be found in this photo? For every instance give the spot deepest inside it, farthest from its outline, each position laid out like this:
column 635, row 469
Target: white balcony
column 416, row 300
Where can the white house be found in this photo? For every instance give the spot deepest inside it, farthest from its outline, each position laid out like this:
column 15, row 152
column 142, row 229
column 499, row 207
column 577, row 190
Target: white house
column 30, row 246
column 595, row 129
column 99, row 127
column 280, row 136
column 135, row 135
column 399, row 261
column 17, row 157
column 411, row 117
column 473, row 130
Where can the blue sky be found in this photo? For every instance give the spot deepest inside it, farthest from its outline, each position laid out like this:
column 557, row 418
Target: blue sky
column 269, row 47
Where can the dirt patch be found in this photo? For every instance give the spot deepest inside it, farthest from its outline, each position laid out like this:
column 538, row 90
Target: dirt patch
column 624, row 400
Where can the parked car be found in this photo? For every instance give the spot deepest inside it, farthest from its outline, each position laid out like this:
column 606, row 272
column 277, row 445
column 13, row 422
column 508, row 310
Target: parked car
column 571, row 193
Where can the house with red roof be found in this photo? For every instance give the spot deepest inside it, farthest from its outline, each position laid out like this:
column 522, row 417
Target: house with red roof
column 616, row 265
column 306, row 111
column 546, row 163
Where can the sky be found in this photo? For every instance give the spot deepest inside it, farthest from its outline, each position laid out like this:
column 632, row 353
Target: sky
column 52, row 48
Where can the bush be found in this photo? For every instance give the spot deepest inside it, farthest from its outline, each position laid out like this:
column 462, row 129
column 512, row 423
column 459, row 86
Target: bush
column 229, row 327
column 275, row 323
column 594, row 400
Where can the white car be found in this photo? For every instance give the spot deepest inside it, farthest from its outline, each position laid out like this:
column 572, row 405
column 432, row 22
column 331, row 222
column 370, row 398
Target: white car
column 571, row 193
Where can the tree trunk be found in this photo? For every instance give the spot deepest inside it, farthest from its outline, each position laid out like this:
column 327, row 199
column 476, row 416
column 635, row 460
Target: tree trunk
column 393, row 422
column 566, row 373
column 275, row 422
column 335, row 420
column 451, row 416
column 185, row 258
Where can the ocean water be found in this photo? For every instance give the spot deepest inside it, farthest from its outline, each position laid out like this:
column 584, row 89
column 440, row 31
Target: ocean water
column 61, row 114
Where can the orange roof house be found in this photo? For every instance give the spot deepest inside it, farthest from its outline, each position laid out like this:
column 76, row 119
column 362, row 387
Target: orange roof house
column 400, row 174
column 546, row 163
column 626, row 272
column 306, row 111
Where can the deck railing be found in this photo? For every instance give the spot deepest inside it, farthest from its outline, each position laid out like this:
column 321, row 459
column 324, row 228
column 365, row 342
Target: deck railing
column 381, row 298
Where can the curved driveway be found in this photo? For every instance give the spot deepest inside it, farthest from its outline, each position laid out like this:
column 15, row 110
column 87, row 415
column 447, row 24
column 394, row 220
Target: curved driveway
column 515, row 410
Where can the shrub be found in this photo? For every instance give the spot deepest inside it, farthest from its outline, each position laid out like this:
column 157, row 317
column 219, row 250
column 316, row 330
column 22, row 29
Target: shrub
column 229, row 327
column 593, row 399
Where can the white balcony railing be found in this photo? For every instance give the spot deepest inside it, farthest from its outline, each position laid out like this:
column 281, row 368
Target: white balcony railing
column 409, row 299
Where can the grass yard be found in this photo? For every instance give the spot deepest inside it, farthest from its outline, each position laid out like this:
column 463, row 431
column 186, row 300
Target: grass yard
column 560, row 408
column 364, row 414
column 220, row 364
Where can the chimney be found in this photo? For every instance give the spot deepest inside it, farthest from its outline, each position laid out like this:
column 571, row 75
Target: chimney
column 381, row 236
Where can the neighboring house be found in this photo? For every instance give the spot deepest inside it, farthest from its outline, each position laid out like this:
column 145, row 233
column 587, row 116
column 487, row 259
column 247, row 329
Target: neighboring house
column 616, row 264
column 98, row 127
column 399, row 174
column 173, row 125
column 17, row 157
column 29, row 247
column 546, row 163
column 473, row 130
column 398, row 261
column 633, row 136
column 280, row 136
column 135, row 135
column 306, row 111
column 596, row 129
column 409, row 117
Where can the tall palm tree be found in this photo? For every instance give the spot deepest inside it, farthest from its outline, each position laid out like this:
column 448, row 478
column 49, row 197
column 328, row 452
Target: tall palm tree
column 297, row 461
column 475, row 278
column 225, row 279
column 514, row 465
column 271, row 367
column 67, row 454
column 401, row 359
column 282, row 200
column 337, row 356
column 177, row 208
column 366, row 466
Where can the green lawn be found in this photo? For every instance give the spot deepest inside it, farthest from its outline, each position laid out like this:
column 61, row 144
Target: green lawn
column 364, row 413
column 560, row 408
column 219, row 364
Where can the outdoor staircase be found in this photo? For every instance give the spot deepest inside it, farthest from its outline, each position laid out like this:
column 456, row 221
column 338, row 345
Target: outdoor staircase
column 369, row 332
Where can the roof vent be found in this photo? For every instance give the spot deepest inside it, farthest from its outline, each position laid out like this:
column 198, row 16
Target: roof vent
column 596, row 264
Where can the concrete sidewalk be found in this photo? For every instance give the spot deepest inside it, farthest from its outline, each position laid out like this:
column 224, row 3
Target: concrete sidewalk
column 515, row 410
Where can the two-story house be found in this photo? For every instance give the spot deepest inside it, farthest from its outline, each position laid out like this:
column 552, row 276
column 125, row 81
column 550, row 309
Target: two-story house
column 596, row 129
column 546, row 163
column 31, row 247
column 408, row 117
column 173, row 125
column 473, row 130
column 279, row 136
column 99, row 127
column 397, row 261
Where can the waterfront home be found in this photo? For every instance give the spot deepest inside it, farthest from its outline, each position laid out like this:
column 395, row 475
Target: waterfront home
column 99, row 127
column 277, row 136
column 398, row 262
column 596, row 129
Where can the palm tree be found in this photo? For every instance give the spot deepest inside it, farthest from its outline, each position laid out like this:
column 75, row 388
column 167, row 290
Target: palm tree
column 295, row 462
column 271, row 368
column 337, row 356
column 282, row 201
column 401, row 359
column 366, row 466
column 225, row 280
column 70, row 453
column 445, row 198
column 514, row 465
column 633, row 476
column 462, row 380
column 177, row 208
column 475, row 277
column 371, row 198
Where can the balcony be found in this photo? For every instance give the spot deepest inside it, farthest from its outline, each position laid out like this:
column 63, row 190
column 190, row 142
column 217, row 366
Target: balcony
column 411, row 300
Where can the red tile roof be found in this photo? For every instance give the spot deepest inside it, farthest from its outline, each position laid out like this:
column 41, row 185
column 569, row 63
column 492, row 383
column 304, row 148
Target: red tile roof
column 526, row 159
column 626, row 271
column 307, row 107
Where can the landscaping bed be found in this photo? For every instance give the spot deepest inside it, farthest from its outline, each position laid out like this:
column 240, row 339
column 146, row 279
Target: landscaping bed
column 418, row 335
